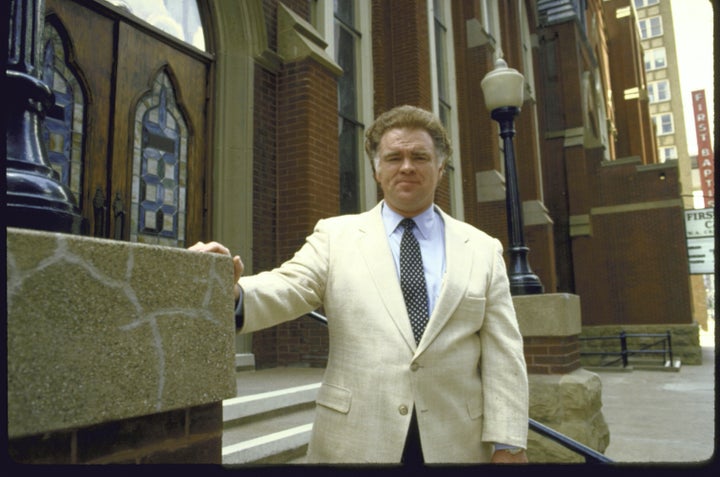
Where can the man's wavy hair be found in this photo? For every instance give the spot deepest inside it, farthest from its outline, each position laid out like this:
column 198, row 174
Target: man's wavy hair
column 407, row 117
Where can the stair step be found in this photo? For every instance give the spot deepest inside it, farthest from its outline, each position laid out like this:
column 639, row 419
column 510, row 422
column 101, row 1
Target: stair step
column 263, row 448
column 275, row 439
column 268, row 427
column 260, row 403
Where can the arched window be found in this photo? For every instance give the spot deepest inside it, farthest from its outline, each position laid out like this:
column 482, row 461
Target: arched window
column 63, row 127
column 159, row 177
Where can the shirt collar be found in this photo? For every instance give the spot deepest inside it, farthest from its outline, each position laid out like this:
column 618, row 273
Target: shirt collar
column 424, row 221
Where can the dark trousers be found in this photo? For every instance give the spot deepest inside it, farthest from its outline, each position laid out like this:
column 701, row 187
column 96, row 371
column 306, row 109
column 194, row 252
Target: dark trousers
column 412, row 453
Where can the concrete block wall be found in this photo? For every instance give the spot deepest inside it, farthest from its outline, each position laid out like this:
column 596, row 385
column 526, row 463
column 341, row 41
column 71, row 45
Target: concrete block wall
column 117, row 352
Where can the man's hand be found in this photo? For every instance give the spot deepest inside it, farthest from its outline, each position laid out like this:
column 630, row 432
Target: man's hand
column 215, row 247
column 501, row 456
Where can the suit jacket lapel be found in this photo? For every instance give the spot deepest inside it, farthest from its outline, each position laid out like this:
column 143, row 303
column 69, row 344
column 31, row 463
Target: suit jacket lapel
column 455, row 282
column 375, row 250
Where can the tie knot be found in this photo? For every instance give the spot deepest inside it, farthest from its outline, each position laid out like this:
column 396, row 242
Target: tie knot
column 408, row 224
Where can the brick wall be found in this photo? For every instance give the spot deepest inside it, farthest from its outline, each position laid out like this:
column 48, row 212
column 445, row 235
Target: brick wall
column 185, row 436
column 296, row 181
column 552, row 354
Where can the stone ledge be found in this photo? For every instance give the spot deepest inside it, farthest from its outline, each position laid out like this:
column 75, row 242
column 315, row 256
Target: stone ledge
column 101, row 330
column 549, row 314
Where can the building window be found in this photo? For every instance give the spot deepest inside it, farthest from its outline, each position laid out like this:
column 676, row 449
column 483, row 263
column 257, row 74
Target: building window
column 663, row 124
column 441, row 39
column 159, row 168
column 63, row 127
column 655, row 59
column 179, row 18
column 346, row 26
column 444, row 91
column 650, row 27
column 347, row 51
column 659, row 91
column 667, row 153
column 645, row 3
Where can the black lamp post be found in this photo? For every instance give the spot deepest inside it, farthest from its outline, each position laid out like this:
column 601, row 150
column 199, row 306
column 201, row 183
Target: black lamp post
column 36, row 199
column 503, row 91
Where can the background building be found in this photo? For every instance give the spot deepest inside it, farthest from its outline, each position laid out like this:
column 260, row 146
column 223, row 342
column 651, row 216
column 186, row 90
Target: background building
column 657, row 34
column 243, row 122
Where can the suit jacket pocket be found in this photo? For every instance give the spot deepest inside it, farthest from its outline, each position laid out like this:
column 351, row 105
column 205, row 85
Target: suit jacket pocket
column 334, row 397
column 475, row 407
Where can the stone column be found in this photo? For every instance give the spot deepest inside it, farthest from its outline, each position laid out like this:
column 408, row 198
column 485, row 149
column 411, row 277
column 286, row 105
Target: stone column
column 563, row 395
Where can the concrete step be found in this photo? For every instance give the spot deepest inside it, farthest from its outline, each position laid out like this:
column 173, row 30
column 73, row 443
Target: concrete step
column 268, row 427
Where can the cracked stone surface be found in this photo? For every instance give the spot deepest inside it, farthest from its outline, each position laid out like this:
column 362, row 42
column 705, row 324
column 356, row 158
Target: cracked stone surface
column 99, row 330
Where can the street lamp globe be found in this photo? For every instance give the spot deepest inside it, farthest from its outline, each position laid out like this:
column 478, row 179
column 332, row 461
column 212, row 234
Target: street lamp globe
column 503, row 87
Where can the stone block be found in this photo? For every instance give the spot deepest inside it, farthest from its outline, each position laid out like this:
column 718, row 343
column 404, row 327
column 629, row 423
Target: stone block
column 102, row 330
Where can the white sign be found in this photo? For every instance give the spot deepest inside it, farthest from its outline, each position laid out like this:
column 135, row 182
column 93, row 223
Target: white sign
column 699, row 223
column 700, row 233
column 701, row 255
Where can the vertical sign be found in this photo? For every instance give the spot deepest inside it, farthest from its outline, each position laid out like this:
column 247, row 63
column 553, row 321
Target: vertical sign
column 705, row 153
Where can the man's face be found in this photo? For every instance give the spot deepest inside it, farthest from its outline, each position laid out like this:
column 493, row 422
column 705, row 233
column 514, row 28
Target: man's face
column 408, row 170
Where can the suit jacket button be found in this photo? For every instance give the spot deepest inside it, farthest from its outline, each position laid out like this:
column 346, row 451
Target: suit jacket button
column 403, row 409
column 414, row 367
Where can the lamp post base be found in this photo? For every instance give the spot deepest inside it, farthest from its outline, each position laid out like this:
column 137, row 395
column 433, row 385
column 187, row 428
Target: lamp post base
column 525, row 285
column 522, row 279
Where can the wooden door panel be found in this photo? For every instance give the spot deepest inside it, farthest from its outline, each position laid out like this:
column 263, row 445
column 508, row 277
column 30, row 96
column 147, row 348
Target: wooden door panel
column 141, row 57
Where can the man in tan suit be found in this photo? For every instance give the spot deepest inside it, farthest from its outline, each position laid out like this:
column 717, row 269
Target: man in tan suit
column 450, row 387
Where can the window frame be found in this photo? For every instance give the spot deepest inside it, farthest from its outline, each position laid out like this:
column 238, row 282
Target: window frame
column 658, row 122
column 654, row 90
column 667, row 157
column 651, row 57
column 645, row 3
column 646, row 27
column 323, row 19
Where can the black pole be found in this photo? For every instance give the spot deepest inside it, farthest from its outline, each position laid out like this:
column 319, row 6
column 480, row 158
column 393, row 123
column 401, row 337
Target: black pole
column 36, row 198
column 522, row 279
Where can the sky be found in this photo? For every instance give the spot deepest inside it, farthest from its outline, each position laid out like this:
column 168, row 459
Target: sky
column 693, row 25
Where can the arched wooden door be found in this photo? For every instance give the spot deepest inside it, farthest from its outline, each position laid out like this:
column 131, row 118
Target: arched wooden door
column 128, row 132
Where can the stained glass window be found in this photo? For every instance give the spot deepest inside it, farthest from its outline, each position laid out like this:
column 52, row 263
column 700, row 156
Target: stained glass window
column 62, row 130
column 159, row 168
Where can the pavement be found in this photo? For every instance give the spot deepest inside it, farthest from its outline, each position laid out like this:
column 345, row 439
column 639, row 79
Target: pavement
column 663, row 416
column 654, row 416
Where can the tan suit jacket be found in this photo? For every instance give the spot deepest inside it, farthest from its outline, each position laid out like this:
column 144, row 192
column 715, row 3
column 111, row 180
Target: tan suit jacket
column 376, row 373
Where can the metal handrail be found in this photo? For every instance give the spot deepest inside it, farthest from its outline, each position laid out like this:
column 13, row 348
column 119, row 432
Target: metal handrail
column 625, row 352
column 590, row 455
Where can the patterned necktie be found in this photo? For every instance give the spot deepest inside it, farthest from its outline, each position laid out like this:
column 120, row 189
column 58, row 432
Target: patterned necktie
column 412, row 280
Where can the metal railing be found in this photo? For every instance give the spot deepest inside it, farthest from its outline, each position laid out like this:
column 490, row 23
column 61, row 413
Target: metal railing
column 625, row 352
column 591, row 455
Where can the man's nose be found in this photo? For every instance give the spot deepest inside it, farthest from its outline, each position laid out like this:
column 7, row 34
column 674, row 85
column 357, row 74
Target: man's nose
column 407, row 164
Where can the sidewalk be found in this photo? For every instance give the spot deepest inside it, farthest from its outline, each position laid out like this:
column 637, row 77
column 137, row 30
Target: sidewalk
column 662, row 416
